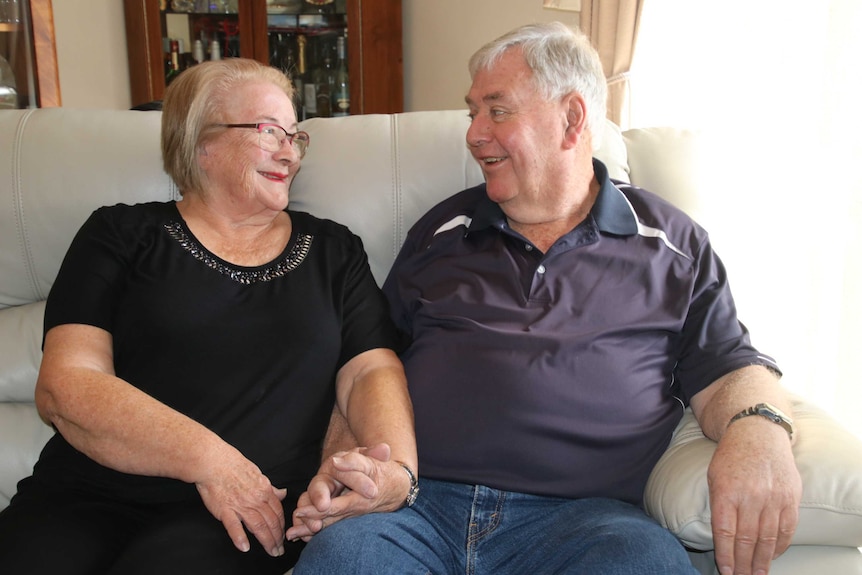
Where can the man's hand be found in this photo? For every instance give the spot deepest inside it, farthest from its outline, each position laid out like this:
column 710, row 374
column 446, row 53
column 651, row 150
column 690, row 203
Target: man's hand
column 239, row 494
column 350, row 483
column 755, row 490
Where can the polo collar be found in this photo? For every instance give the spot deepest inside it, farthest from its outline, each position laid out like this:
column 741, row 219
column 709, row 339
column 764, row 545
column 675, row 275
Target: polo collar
column 611, row 212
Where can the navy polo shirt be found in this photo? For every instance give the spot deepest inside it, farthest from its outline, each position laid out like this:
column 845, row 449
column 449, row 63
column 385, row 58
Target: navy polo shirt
column 561, row 373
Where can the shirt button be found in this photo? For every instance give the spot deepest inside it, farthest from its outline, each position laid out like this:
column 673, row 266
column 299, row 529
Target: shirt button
column 528, row 247
column 540, row 269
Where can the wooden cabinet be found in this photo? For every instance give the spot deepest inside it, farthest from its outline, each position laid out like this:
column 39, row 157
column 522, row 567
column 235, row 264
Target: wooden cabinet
column 372, row 29
column 27, row 43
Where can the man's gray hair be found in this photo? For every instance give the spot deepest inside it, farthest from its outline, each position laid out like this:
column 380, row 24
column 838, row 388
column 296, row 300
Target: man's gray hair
column 562, row 60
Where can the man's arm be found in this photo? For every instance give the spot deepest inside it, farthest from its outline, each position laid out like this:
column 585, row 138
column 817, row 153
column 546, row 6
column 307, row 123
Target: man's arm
column 354, row 480
column 754, row 486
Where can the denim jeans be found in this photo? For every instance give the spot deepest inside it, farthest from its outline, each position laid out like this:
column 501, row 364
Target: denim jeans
column 474, row 530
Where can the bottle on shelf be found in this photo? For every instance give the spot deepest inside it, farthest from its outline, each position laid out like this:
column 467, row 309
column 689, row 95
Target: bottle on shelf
column 324, row 80
column 198, row 52
column 283, row 56
column 175, row 63
column 215, row 50
column 309, row 90
column 341, row 92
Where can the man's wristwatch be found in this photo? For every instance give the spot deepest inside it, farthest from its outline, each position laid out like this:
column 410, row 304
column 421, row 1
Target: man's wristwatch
column 771, row 413
column 414, row 485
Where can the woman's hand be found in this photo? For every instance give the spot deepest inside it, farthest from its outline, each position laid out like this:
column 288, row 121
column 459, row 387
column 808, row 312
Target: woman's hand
column 121, row 427
column 238, row 494
column 359, row 481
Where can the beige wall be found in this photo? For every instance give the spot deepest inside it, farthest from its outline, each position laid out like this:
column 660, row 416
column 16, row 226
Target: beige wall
column 91, row 53
column 439, row 37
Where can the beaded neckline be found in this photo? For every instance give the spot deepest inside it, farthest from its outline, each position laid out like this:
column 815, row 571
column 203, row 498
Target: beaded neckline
column 247, row 277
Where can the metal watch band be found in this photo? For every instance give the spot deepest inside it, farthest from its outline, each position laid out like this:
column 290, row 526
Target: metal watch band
column 414, row 485
column 768, row 412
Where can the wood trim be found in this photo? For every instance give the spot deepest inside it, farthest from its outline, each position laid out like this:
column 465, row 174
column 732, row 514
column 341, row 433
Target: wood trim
column 45, row 51
column 375, row 56
column 144, row 45
column 252, row 18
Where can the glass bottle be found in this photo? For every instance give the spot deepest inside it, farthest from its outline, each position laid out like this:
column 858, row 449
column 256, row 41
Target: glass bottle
column 215, row 50
column 198, row 52
column 309, row 94
column 175, row 63
column 324, row 80
column 341, row 93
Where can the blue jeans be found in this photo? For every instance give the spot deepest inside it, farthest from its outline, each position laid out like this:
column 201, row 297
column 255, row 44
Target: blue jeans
column 474, row 530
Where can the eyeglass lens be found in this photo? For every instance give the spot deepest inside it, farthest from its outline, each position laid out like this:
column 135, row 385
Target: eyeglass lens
column 272, row 139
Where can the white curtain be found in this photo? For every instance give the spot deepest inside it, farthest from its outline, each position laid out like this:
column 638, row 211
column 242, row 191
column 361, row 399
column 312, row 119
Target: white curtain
column 775, row 85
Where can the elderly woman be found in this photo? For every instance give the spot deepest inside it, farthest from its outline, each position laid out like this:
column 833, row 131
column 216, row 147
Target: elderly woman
column 194, row 351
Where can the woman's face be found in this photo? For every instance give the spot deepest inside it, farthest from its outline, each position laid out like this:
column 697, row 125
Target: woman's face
column 238, row 170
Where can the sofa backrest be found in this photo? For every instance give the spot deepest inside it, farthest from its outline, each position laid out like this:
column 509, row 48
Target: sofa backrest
column 376, row 174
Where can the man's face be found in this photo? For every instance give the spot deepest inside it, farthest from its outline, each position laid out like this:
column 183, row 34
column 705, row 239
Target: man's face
column 516, row 136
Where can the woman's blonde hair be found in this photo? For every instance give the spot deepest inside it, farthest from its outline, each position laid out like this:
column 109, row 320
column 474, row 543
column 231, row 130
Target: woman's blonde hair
column 194, row 102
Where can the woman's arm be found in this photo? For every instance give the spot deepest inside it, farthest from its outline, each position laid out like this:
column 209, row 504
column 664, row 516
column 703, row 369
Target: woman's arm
column 122, row 428
column 372, row 391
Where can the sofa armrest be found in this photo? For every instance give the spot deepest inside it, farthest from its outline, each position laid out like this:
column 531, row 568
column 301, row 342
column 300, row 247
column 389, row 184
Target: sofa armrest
column 829, row 459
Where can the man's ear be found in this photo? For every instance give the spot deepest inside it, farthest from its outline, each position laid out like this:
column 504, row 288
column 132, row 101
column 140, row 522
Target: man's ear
column 576, row 116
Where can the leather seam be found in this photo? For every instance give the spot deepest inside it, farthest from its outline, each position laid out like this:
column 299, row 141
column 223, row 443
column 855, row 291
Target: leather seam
column 19, row 209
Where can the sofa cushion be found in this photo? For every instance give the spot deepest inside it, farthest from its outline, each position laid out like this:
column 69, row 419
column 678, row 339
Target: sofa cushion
column 23, row 436
column 20, row 350
column 827, row 456
column 669, row 162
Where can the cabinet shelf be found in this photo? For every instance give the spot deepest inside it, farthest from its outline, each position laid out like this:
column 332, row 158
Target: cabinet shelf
column 373, row 44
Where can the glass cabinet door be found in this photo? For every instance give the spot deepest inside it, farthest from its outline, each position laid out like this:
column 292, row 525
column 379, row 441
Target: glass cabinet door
column 28, row 59
column 308, row 40
column 344, row 56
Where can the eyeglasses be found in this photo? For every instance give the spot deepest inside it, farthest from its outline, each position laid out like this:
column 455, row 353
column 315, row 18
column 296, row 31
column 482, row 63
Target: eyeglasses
column 271, row 137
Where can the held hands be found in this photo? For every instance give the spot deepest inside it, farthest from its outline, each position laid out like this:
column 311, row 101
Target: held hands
column 237, row 494
column 350, row 483
column 755, row 490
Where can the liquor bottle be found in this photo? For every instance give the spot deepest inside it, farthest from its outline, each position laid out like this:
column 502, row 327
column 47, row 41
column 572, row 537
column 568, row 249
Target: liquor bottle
column 175, row 63
column 309, row 90
column 215, row 50
column 276, row 46
column 341, row 94
column 324, row 79
column 198, row 52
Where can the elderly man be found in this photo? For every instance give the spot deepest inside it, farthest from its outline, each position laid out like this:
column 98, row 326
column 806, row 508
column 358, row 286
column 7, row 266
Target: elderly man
column 558, row 325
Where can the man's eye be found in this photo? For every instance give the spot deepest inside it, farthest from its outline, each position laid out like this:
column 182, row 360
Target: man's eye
column 269, row 130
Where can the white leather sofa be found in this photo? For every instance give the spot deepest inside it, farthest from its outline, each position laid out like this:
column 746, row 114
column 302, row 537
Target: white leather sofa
column 376, row 174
